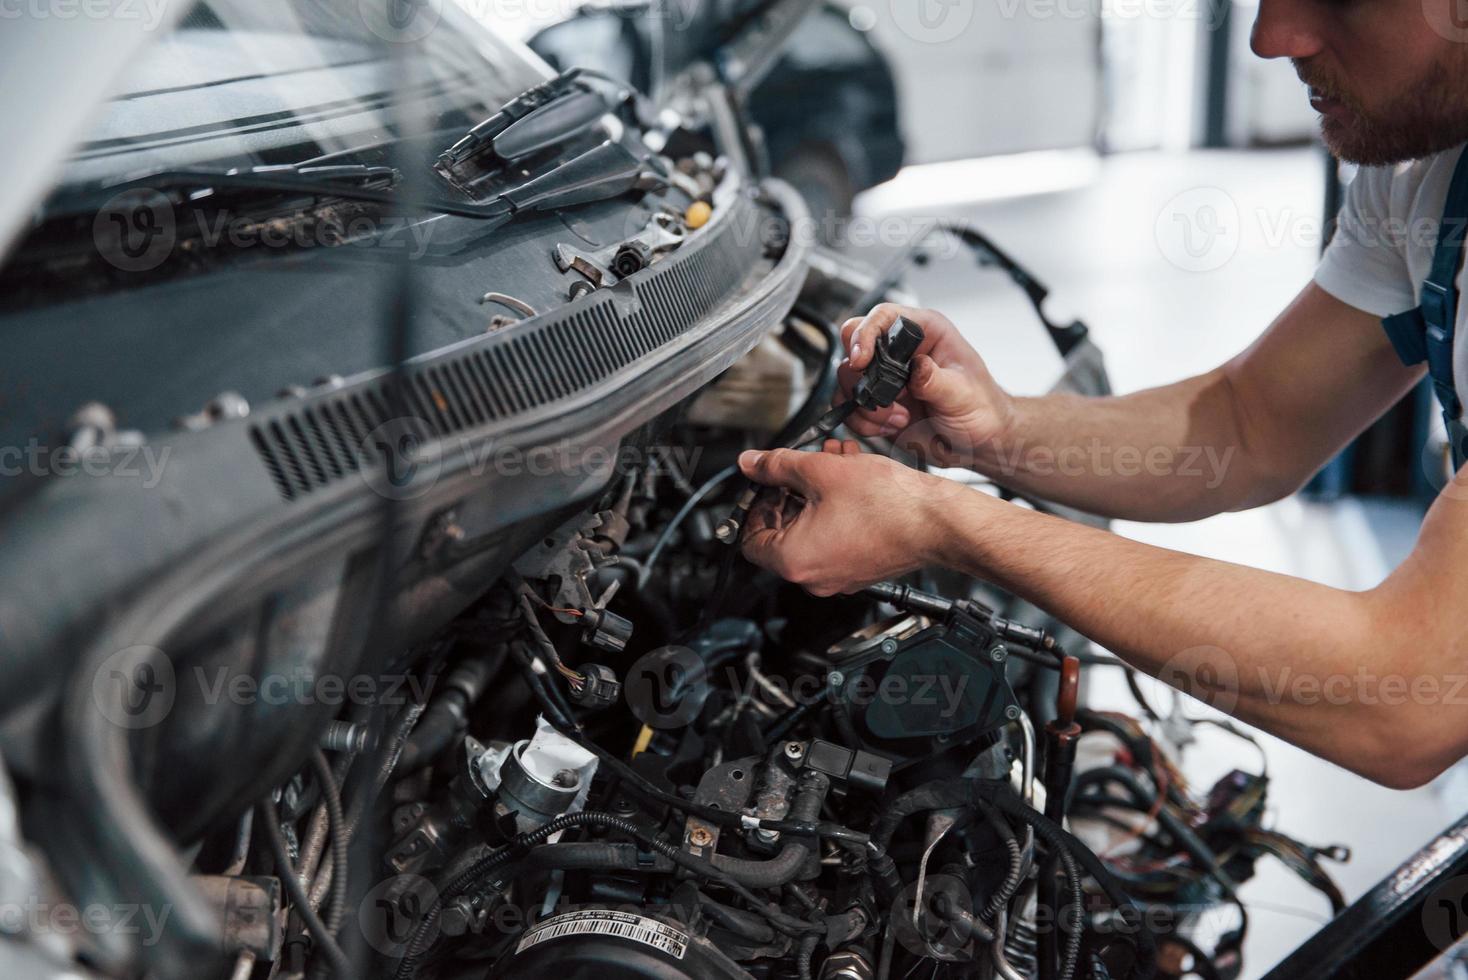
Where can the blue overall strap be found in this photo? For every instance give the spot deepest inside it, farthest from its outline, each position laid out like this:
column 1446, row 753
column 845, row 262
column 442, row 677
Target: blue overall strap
column 1426, row 333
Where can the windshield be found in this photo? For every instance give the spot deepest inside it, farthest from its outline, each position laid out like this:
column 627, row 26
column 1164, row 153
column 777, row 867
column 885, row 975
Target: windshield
column 242, row 83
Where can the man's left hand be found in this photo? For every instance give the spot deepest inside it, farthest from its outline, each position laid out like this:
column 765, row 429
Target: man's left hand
column 843, row 519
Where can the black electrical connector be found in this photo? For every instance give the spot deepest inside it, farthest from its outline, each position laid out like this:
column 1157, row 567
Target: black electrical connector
column 599, row 689
column 858, row 768
column 891, row 366
column 605, row 630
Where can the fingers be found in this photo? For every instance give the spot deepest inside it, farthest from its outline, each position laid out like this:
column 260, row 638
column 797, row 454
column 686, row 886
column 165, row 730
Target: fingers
column 781, row 468
column 840, row 447
column 761, row 545
column 945, row 389
column 768, row 510
column 859, row 335
column 882, row 421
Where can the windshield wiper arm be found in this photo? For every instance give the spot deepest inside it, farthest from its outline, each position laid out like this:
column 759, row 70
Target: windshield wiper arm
column 543, row 116
column 605, row 171
column 354, row 182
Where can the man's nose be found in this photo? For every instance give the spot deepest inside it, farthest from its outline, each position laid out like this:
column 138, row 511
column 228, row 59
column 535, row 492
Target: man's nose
column 1287, row 29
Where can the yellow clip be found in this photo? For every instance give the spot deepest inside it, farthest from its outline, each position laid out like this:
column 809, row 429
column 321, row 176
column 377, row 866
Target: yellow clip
column 644, row 738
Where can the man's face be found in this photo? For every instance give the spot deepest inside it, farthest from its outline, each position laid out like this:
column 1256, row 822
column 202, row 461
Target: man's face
column 1388, row 77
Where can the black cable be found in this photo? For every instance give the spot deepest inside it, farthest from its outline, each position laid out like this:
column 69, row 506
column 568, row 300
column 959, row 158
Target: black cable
column 1186, row 838
column 716, row 597
column 1015, row 877
column 326, row 944
column 337, row 823
column 666, row 535
column 1139, row 697
column 782, row 725
column 1202, row 962
column 724, row 818
column 1011, row 805
column 539, row 684
column 1070, row 958
column 822, row 389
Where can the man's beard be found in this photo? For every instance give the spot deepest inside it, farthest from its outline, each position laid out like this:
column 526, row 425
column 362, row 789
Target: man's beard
column 1428, row 118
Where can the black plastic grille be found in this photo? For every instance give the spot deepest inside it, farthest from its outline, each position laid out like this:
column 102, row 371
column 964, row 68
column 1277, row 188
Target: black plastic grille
column 534, row 364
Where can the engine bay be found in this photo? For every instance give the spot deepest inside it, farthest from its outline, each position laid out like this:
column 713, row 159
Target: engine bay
column 452, row 668
column 636, row 755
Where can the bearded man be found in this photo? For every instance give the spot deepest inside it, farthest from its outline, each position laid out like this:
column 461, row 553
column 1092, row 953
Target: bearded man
column 1389, row 79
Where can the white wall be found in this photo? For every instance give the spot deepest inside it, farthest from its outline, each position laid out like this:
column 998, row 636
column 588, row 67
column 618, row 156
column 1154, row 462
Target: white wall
column 978, row 77
column 1155, row 76
column 1267, row 102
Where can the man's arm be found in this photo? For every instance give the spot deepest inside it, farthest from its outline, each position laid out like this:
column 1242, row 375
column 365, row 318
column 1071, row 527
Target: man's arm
column 1241, row 435
column 1375, row 681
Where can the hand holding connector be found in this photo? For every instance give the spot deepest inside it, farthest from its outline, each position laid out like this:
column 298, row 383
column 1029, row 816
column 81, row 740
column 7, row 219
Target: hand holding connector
column 881, row 382
column 890, row 367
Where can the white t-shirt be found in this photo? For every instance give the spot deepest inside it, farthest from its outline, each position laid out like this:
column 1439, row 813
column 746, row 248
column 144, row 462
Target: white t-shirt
column 1384, row 244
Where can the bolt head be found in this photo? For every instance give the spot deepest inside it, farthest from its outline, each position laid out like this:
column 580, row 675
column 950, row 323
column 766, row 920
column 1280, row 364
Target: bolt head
column 889, row 646
column 998, row 654
column 794, row 750
column 1012, row 712
column 700, row 837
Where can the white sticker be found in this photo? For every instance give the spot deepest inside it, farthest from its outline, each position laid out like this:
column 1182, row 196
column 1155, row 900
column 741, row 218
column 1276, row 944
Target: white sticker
column 623, row 925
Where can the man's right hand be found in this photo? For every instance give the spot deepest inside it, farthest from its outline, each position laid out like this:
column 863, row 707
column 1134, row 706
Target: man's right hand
column 950, row 409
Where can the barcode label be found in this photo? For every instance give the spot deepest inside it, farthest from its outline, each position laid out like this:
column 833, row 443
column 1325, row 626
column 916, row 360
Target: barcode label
column 623, row 925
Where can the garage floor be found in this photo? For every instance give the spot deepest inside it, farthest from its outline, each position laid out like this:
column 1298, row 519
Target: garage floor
column 1177, row 261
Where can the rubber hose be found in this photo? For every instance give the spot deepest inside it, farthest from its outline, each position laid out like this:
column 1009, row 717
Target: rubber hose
column 783, row 867
column 446, row 715
column 593, row 856
column 745, row 925
column 937, row 795
column 807, row 950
